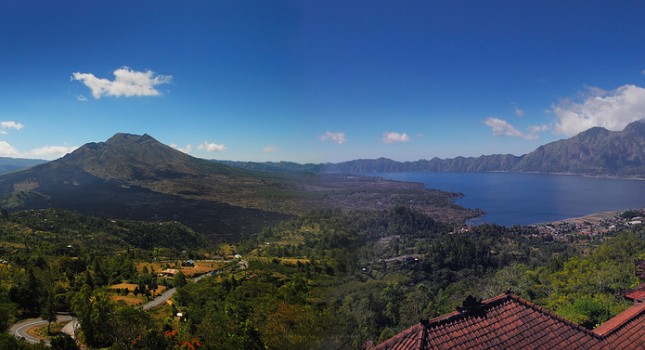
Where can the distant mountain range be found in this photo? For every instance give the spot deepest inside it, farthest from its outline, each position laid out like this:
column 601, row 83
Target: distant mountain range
column 595, row 152
column 8, row 165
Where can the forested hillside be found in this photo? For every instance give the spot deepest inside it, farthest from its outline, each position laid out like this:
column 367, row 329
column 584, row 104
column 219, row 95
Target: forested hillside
column 326, row 279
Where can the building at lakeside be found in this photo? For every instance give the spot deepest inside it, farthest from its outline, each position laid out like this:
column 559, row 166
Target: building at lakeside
column 510, row 322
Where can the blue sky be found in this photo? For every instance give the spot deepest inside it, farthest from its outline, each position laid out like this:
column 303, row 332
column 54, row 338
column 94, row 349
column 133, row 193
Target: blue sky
column 317, row 81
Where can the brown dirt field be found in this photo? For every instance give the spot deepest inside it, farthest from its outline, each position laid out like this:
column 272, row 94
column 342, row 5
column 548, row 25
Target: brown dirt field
column 201, row 267
column 127, row 299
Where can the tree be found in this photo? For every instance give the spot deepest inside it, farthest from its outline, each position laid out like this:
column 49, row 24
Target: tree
column 63, row 342
column 179, row 280
column 48, row 312
column 128, row 326
column 94, row 310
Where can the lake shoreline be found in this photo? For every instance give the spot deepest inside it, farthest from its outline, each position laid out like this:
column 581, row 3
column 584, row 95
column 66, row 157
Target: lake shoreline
column 591, row 218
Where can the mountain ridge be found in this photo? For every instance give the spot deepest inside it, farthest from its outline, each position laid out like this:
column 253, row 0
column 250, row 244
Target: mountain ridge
column 594, row 152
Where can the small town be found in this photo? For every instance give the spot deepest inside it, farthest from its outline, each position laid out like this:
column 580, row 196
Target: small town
column 593, row 225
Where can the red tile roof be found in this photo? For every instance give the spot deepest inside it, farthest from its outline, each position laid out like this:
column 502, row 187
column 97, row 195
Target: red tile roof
column 637, row 294
column 510, row 322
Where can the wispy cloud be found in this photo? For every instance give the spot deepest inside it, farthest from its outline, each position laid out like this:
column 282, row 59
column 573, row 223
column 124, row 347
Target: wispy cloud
column 211, row 147
column 392, row 137
column 501, row 127
column 187, row 149
column 10, row 124
column 519, row 112
column 126, row 83
column 50, row 152
column 612, row 110
column 338, row 137
column 81, row 98
column 270, row 149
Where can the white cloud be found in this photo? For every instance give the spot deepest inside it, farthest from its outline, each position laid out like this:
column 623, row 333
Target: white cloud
column 391, row 137
column 338, row 137
column 535, row 129
column 187, row 149
column 612, row 110
column 10, row 124
column 81, row 98
column 46, row 152
column 6, row 150
column 51, row 152
column 211, row 147
column 126, row 82
column 519, row 112
column 270, row 149
column 501, row 127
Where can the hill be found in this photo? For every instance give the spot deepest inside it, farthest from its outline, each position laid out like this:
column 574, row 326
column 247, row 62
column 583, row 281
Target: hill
column 137, row 177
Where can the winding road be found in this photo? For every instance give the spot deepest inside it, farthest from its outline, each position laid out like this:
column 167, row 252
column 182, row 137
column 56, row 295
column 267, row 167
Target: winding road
column 19, row 330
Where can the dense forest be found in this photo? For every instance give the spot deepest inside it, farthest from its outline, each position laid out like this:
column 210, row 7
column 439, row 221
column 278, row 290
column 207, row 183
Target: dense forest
column 327, row 279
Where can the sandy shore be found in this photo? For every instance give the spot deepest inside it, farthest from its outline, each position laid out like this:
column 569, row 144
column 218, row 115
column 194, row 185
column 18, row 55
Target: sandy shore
column 591, row 218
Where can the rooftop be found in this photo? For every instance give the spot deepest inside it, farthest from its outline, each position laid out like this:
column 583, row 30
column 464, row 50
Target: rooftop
column 510, row 322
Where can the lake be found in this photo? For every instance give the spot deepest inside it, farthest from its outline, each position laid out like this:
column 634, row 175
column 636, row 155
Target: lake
column 524, row 199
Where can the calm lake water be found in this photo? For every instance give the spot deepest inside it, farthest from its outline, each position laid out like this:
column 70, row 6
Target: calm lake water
column 524, row 199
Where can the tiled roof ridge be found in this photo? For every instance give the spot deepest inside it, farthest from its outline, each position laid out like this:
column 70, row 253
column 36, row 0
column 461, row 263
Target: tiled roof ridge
column 457, row 315
column 552, row 315
column 621, row 320
column 501, row 299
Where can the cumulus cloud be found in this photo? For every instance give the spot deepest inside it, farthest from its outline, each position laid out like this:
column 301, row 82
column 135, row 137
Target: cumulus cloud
column 501, row 127
column 391, row 137
column 46, row 152
column 51, row 152
column 187, row 149
column 126, row 82
column 211, row 147
column 270, row 149
column 338, row 137
column 612, row 110
column 6, row 150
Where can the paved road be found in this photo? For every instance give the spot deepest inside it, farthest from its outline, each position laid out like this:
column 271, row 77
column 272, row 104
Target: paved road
column 160, row 299
column 19, row 330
